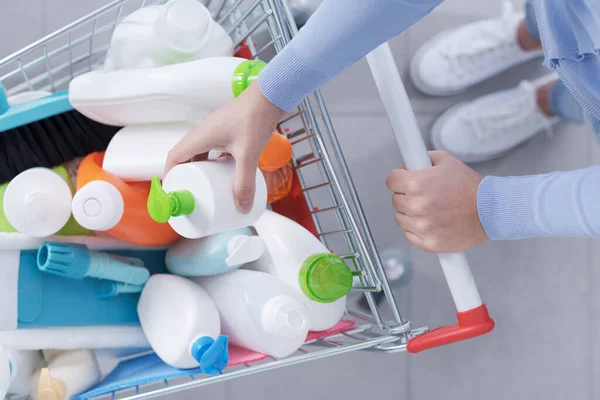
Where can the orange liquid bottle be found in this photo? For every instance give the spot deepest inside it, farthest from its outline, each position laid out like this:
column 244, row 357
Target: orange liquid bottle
column 276, row 166
column 279, row 182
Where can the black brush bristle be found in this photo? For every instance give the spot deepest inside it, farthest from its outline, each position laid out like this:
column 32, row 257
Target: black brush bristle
column 51, row 142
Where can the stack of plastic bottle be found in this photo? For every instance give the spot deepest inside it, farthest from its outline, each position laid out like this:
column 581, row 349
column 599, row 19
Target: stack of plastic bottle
column 128, row 257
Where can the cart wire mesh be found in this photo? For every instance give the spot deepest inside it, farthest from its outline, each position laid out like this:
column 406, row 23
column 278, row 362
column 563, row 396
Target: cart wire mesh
column 262, row 27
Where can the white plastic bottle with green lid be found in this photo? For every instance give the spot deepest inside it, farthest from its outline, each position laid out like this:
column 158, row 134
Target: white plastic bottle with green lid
column 297, row 257
column 182, row 324
column 173, row 93
column 156, row 35
column 196, row 199
column 17, row 367
column 258, row 311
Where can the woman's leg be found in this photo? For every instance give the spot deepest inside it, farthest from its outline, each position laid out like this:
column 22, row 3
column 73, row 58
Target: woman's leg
column 531, row 21
column 594, row 126
column 561, row 103
column 528, row 34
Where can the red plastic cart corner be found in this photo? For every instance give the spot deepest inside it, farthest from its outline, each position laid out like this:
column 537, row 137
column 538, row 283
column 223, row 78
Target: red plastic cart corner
column 472, row 323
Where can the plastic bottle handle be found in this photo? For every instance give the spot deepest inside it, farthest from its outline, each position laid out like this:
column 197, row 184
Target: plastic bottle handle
column 471, row 312
column 243, row 249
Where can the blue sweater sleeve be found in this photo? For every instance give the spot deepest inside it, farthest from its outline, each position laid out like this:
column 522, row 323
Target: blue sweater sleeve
column 557, row 204
column 338, row 34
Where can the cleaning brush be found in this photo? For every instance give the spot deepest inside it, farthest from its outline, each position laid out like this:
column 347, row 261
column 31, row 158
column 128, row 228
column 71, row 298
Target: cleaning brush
column 46, row 132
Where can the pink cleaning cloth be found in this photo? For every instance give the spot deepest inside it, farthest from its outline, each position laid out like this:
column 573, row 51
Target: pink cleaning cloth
column 341, row 326
column 238, row 355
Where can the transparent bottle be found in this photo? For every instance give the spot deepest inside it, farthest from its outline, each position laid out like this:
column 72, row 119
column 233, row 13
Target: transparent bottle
column 279, row 183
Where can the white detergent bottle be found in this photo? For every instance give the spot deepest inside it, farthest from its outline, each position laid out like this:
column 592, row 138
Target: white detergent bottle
column 196, row 199
column 16, row 370
column 297, row 257
column 69, row 373
column 173, row 93
column 152, row 144
column 258, row 311
column 37, row 202
column 216, row 254
column 178, row 31
column 182, row 324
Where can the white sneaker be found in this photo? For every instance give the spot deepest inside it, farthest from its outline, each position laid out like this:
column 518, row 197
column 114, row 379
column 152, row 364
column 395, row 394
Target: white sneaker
column 487, row 127
column 459, row 58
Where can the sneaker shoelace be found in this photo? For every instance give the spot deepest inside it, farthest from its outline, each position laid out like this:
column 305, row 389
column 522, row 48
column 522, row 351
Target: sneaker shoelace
column 488, row 40
column 519, row 111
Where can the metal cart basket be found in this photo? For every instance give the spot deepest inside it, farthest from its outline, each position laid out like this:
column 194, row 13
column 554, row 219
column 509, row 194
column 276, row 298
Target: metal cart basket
column 259, row 28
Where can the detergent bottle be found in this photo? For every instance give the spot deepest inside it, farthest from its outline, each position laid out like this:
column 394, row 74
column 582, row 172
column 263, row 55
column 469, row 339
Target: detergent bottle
column 16, row 370
column 299, row 259
column 68, row 374
column 279, row 183
column 152, row 144
column 173, row 93
column 182, row 324
column 104, row 202
column 37, row 202
column 197, row 199
column 258, row 311
column 178, row 31
column 214, row 254
column 276, row 166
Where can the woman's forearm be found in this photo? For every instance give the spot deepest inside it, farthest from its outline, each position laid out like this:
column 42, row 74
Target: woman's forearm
column 338, row 34
column 557, row 204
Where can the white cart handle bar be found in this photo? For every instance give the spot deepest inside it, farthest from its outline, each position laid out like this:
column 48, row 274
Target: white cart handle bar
column 472, row 314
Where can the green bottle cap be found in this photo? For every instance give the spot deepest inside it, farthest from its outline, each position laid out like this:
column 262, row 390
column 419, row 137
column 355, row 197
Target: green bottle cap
column 162, row 205
column 246, row 73
column 325, row 277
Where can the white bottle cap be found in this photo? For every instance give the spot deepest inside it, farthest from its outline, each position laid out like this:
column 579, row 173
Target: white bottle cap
column 4, row 373
column 284, row 316
column 184, row 25
column 98, row 206
column 243, row 249
column 37, row 202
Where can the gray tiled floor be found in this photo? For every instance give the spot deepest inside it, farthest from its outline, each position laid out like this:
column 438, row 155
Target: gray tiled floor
column 541, row 292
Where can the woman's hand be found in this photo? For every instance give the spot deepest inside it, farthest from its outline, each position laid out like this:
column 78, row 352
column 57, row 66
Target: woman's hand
column 241, row 128
column 437, row 207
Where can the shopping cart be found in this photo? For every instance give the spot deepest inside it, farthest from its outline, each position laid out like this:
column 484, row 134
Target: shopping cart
column 326, row 201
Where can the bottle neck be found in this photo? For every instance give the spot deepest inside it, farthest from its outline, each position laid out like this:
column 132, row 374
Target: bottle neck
column 284, row 316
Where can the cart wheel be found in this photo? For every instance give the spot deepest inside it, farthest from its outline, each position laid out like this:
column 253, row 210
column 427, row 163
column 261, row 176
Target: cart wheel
column 398, row 270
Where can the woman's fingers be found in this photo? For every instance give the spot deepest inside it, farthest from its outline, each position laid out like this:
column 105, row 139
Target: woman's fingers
column 405, row 222
column 244, row 187
column 195, row 143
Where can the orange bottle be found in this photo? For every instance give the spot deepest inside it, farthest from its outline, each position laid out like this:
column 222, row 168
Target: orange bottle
column 135, row 226
column 276, row 154
column 276, row 166
column 279, row 182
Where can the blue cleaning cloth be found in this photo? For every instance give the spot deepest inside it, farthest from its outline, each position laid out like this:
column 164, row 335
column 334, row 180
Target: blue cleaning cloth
column 137, row 372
